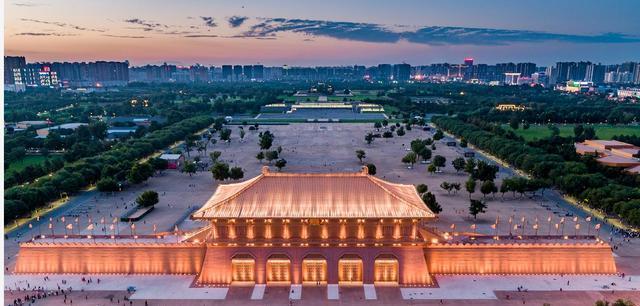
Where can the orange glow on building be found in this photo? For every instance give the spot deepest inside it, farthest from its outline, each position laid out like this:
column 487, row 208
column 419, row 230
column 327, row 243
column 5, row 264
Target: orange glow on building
column 284, row 228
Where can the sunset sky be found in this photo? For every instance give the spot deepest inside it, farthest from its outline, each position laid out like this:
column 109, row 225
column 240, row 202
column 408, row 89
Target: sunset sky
column 325, row 32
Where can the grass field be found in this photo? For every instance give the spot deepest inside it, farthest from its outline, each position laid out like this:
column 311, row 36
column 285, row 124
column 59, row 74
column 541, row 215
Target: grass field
column 26, row 161
column 603, row 131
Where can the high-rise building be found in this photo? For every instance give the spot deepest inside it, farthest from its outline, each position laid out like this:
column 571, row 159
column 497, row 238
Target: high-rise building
column 636, row 73
column 578, row 71
column 595, row 73
column 199, row 73
column 258, row 72
column 385, row 72
column 562, row 72
column 468, row 61
column 237, row 72
column 401, row 72
column 11, row 63
column 227, row 72
column 526, row 69
column 247, row 72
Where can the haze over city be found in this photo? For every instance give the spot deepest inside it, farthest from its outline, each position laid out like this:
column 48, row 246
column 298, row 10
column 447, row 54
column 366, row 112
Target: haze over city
column 322, row 32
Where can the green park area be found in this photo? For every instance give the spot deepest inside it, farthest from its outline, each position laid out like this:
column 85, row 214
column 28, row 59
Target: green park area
column 28, row 160
column 603, row 131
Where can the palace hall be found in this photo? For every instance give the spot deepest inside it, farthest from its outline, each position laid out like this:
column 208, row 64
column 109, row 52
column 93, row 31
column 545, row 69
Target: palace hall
column 315, row 228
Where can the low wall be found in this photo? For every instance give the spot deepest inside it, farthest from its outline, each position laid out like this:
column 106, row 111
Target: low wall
column 566, row 258
column 110, row 258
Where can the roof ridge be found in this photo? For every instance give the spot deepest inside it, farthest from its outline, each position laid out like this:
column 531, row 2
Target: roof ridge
column 376, row 181
column 235, row 194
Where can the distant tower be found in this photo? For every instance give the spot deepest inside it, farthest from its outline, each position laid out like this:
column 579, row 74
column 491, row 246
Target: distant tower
column 468, row 61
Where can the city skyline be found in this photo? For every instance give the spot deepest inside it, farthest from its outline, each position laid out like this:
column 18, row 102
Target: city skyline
column 306, row 34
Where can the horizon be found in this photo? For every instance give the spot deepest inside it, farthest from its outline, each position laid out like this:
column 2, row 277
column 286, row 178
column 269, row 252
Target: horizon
column 333, row 33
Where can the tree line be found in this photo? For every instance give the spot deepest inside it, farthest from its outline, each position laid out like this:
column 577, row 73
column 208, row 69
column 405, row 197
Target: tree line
column 115, row 163
column 572, row 177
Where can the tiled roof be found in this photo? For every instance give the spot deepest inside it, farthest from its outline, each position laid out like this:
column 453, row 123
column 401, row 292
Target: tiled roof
column 306, row 195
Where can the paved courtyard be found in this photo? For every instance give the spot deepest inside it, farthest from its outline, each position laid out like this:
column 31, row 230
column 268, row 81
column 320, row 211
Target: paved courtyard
column 325, row 147
column 171, row 289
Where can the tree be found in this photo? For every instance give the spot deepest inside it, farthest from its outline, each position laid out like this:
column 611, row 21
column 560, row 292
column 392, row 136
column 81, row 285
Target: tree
column 140, row 173
column 455, row 187
column 470, row 166
column 387, row 134
column 159, row 164
column 422, row 188
column 107, row 184
column 446, row 186
column 438, row 135
column 463, row 143
column 260, row 156
column 424, row 153
column 410, row 158
column 190, row 168
column 476, row 207
column 400, row 131
column 589, row 133
column 377, row 125
column 242, row 134
column 225, row 135
column 147, row 198
column 236, row 173
column 189, row 143
column 265, row 140
column 621, row 302
column 371, row 169
column 385, row 122
column 485, row 171
column 271, row 155
column 430, row 200
column 360, row 154
column 281, row 163
column 514, row 123
column 459, row 164
column 505, row 186
column 431, row 168
column 578, row 130
column 470, row 186
column 439, row 161
column 488, row 187
column 220, row 171
column 98, row 129
column 369, row 138
column 214, row 156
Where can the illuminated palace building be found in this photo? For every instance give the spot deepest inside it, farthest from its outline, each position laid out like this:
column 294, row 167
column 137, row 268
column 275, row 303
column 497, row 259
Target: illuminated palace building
column 330, row 228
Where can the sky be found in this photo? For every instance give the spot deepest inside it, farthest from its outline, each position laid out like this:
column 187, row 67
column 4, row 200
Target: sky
column 328, row 32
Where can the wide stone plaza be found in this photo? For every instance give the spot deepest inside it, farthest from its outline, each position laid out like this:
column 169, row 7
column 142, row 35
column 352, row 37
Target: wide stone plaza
column 323, row 148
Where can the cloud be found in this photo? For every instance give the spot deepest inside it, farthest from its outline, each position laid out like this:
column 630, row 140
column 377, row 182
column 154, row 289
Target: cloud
column 43, row 34
column 27, row 4
column 209, row 21
column 124, row 36
column 200, row 35
column 236, row 21
column 432, row 35
column 62, row 25
column 148, row 25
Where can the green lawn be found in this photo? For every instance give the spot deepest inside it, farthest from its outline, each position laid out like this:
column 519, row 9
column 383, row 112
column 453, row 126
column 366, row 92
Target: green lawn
column 26, row 161
column 603, row 131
